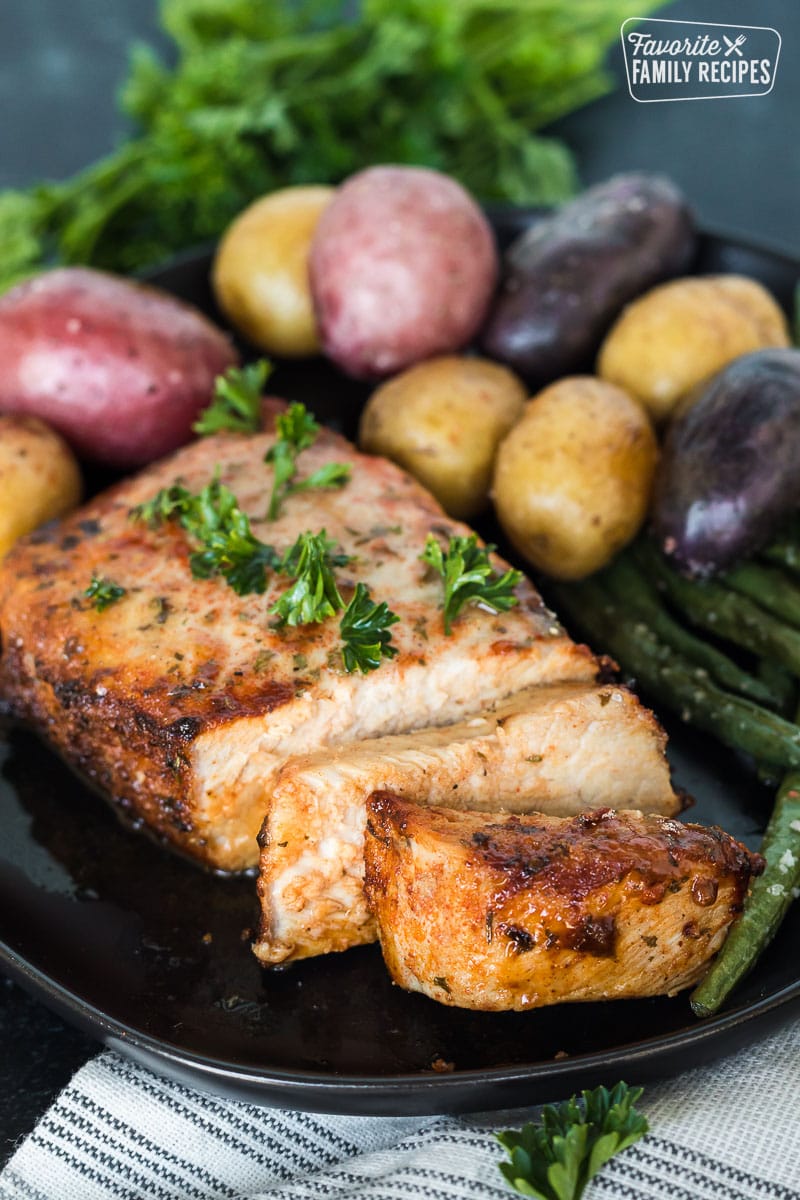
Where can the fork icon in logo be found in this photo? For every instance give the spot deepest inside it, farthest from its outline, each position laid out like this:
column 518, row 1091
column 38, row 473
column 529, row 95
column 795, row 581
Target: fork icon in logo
column 734, row 46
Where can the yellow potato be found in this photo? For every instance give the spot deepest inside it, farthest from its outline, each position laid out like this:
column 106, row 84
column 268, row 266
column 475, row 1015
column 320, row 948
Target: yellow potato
column 39, row 477
column 442, row 420
column 260, row 274
column 573, row 478
column 682, row 332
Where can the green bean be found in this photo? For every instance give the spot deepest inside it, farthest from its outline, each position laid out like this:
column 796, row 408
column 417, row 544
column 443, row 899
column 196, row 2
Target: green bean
column 785, row 550
column 725, row 613
column 768, row 587
column 784, row 554
column 780, row 683
column 680, row 685
column 630, row 586
column 765, row 907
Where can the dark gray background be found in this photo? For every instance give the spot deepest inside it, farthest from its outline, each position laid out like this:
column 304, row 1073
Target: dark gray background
column 60, row 64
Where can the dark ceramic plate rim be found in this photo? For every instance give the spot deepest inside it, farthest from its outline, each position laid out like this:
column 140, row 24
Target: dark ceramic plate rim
column 419, row 1092
column 643, row 1058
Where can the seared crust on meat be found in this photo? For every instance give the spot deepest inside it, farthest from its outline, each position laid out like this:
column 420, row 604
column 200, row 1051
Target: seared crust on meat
column 521, row 912
column 558, row 748
column 181, row 700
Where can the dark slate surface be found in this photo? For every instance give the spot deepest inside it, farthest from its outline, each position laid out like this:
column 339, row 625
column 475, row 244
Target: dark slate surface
column 60, row 65
column 38, row 1054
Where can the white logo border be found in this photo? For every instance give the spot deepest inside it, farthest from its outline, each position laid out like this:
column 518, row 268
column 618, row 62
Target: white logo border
column 704, row 25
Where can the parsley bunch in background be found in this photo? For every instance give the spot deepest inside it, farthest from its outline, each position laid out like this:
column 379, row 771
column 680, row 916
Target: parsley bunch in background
column 268, row 93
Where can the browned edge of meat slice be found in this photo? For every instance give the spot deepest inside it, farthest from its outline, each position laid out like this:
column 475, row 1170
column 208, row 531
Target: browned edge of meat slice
column 559, row 749
column 522, row 912
column 181, row 700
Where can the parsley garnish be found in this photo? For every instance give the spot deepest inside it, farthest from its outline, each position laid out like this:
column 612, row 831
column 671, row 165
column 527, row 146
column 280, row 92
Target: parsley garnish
column 213, row 518
column 469, row 575
column 297, row 427
column 556, row 1159
column 331, row 475
column 103, row 593
column 314, row 596
column 297, row 430
column 365, row 632
column 236, row 406
column 229, row 548
column 167, row 504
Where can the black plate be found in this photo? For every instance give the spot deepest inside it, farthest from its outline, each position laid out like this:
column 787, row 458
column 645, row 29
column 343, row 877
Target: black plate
column 150, row 955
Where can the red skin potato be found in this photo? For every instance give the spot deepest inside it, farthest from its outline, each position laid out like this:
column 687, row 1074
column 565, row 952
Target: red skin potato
column 403, row 266
column 120, row 369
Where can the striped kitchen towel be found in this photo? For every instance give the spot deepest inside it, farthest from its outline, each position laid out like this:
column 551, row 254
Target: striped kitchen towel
column 726, row 1132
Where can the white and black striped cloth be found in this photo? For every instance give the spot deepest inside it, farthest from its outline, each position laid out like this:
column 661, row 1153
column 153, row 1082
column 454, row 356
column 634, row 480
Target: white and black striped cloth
column 727, row 1132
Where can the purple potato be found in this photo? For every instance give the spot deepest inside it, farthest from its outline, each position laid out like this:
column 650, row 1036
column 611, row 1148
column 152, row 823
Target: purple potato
column 568, row 277
column 729, row 473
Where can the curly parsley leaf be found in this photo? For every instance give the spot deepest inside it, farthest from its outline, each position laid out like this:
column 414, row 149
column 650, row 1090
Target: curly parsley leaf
column 296, row 430
column 332, row 475
column 103, row 593
column 555, row 1159
column 167, row 505
column 365, row 632
column 236, row 406
column 228, row 546
column 468, row 576
column 314, row 596
column 297, row 427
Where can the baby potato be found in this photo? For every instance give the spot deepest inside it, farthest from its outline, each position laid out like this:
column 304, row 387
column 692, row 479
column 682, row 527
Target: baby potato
column 442, row 420
column 403, row 267
column 260, row 273
column 680, row 333
column 118, row 368
column 573, row 478
column 39, row 477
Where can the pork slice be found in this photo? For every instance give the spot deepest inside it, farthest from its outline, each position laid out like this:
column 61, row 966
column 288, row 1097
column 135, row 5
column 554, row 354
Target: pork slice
column 181, row 700
column 559, row 749
column 520, row 912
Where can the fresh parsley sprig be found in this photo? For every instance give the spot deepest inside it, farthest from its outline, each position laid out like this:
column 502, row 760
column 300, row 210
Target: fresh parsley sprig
column 556, row 1159
column 468, row 576
column 297, row 430
column 213, row 518
column 230, row 548
column 331, row 475
column 103, row 593
column 236, row 406
column 168, row 504
column 314, row 596
column 365, row 632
